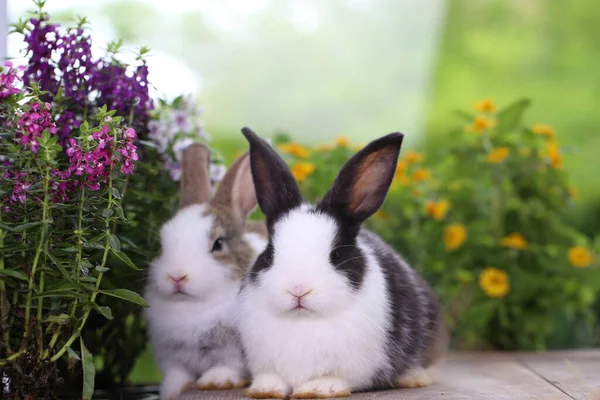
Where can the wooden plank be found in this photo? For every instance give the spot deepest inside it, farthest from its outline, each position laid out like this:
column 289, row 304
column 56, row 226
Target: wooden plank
column 464, row 376
column 577, row 373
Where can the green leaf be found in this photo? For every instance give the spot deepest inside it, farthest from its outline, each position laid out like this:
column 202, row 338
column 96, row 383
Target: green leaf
column 510, row 116
column 114, row 242
column 115, row 193
column 108, row 212
column 104, row 311
column 62, row 319
column 89, row 279
column 72, row 354
column 123, row 257
column 89, row 372
column 14, row 274
column 22, row 227
column 126, row 295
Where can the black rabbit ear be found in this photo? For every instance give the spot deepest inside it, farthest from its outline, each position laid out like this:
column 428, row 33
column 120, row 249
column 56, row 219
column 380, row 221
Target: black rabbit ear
column 276, row 189
column 362, row 184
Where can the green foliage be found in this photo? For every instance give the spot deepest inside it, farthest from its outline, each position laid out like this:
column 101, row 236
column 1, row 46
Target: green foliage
column 484, row 221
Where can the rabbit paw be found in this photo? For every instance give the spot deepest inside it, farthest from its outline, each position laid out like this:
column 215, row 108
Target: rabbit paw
column 322, row 388
column 414, row 378
column 267, row 386
column 175, row 382
column 221, row 378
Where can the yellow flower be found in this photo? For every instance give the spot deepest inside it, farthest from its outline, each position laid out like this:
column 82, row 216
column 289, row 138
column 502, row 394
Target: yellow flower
column 302, row 170
column 494, row 282
column 380, row 215
column 515, row 241
column 421, row 174
column 323, row 147
column 454, row 236
column 437, row 209
column 572, row 192
column 402, row 179
column 401, row 167
column 544, row 130
column 454, row 186
column 485, row 105
column 480, row 124
column 414, row 157
column 498, row 155
column 554, row 155
column 342, row 141
column 525, row 152
column 580, row 257
column 294, row 149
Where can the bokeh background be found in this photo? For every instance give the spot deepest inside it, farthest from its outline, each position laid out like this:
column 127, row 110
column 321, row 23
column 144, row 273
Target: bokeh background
column 363, row 68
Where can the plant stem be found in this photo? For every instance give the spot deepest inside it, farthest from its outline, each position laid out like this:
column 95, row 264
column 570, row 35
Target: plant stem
column 38, row 252
column 3, row 293
column 77, row 333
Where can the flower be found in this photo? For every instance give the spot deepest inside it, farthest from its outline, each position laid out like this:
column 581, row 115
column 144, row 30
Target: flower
column 494, row 282
column 342, row 141
column 380, row 215
column 421, row 174
column 580, row 257
column 543, row 130
column 414, row 157
column 323, row 147
column 572, row 192
column 33, row 123
column 498, row 155
column 8, row 79
column 437, row 209
column 401, row 179
column 480, row 124
column 401, row 167
column 525, row 152
column 294, row 149
column 514, row 241
column 302, row 170
column 454, row 236
column 485, row 105
column 554, row 156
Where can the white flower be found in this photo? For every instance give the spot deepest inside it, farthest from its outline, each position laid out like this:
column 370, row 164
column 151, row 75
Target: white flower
column 217, row 172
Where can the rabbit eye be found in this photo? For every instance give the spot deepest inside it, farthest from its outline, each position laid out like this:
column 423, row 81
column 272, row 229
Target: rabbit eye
column 217, row 245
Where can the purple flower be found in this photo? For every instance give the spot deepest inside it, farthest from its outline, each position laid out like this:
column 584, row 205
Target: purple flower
column 33, row 122
column 8, row 80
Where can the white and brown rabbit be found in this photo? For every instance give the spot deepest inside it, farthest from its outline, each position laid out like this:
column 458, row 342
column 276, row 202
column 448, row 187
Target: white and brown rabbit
column 329, row 308
column 206, row 249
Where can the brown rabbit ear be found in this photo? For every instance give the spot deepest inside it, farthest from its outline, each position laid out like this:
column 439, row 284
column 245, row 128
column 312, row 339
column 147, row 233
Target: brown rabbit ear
column 195, row 181
column 236, row 190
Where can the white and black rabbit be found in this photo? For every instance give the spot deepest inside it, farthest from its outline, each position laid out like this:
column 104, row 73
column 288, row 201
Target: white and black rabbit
column 192, row 287
column 329, row 308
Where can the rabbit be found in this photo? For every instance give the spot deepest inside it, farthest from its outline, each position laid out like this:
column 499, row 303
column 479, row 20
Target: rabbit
column 193, row 284
column 329, row 308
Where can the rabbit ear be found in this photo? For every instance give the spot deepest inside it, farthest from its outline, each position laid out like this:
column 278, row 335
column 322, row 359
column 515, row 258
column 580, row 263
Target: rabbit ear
column 276, row 189
column 236, row 190
column 362, row 184
column 195, row 181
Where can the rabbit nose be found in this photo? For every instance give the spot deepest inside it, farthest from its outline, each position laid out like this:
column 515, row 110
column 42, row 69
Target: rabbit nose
column 178, row 279
column 299, row 291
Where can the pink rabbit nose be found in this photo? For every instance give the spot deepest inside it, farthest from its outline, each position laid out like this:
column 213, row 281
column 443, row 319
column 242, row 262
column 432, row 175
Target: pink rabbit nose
column 178, row 279
column 299, row 291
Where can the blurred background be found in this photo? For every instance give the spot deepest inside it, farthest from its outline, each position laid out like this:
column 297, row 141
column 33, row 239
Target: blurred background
column 363, row 68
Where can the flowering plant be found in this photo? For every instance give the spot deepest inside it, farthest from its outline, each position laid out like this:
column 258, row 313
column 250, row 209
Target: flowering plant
column 485, row 222
column 69, row 139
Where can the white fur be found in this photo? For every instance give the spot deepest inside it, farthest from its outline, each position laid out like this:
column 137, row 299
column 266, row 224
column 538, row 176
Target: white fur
column 180, row 324
column 342, row 335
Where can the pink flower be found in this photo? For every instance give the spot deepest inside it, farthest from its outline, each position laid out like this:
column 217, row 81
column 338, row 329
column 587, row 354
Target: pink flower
column 33, row 122
column 8, row 80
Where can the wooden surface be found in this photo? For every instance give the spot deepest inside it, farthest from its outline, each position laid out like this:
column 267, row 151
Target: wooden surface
column 497, row 376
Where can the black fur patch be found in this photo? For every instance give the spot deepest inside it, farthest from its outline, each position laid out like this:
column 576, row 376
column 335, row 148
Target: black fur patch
column 263, row 262
column 413, row 314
